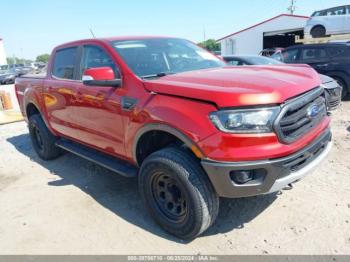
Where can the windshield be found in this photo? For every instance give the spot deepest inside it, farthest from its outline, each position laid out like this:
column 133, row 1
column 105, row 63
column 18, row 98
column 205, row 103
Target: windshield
column 158, row 57
column 261, row 60
column 278, row 57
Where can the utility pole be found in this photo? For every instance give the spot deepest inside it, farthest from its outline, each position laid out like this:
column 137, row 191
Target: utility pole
column 292, row 7
column 204, row 34
column 92, row 33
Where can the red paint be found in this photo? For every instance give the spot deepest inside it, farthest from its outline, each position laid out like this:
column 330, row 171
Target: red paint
column 93, row 115
column 101, row 73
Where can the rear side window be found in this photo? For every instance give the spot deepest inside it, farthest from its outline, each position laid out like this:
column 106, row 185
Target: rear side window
column 313, row 54
column 336, row 11
column 343, row 52
column 64, row 63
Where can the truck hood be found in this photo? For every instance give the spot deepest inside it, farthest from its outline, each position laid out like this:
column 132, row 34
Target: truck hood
column 239, row 86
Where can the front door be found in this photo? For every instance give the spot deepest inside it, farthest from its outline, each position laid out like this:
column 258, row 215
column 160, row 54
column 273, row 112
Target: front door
column 99, row 110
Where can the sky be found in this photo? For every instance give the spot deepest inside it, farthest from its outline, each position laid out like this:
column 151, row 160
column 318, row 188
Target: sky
column 32, row 27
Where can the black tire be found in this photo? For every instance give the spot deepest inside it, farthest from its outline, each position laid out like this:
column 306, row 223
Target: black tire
column 195, row 204
column 318, row 31
column 42, row 139
column 344, row 86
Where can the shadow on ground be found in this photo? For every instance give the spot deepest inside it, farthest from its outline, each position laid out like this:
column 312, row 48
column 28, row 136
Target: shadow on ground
column 120, row 195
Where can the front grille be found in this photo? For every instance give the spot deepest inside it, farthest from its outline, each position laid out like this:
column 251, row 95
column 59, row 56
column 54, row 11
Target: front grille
column 301, row 159
column 299, row 115
column 333, row 104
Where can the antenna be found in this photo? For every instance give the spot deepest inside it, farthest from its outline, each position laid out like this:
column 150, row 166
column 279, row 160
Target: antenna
column 92, row 33
column 292, row 7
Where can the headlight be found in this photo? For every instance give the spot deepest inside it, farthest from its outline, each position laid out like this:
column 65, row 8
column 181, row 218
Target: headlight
column 245, row 120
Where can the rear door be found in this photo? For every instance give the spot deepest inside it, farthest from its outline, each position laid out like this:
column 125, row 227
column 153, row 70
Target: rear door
column 347, row 20
column 317, row 57
column 60, row 91
column 336, row 19
column 100, row 121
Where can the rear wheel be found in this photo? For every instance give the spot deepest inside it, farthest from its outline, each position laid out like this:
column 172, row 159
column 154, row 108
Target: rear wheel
column 178, row 193
column 42, row 139
column 318, row 31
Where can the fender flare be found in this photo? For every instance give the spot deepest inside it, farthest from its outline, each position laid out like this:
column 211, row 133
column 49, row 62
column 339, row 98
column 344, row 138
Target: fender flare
column 165, row 128
column 343, row 76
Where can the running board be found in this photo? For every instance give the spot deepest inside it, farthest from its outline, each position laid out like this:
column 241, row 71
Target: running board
column 114, row 164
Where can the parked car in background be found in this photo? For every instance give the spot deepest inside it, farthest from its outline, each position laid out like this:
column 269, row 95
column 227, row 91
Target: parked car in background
column 19, row 69
column 190, row 128
column 7, row 77
column 331, row 59
column 239, row 60
column 331, row 21
column 332, row 88
column 270, row 51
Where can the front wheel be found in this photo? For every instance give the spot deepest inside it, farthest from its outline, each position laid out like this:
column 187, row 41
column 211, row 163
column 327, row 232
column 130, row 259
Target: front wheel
column 178, row 193
column 318, row 31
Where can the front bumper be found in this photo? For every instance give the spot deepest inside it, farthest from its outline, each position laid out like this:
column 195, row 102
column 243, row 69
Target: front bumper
column 333, row 97
column 269, row 175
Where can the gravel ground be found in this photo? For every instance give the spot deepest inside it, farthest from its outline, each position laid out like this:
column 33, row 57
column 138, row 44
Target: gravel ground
column 71, row 206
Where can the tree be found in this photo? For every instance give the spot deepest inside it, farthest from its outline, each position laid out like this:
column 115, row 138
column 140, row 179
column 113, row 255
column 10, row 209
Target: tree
column 43, row 58
column 16, row 60
column 210, row 45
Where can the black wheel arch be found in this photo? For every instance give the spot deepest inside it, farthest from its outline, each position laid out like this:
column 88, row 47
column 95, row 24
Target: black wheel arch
column 31, row 108
column 166, row 129
column 318, row 25
column 342, row 76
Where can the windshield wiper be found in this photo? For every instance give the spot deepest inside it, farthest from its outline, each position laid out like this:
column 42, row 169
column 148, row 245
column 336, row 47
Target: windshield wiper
column 161, row 74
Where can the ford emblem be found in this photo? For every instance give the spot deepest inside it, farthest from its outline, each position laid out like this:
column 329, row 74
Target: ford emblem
column 313, row 111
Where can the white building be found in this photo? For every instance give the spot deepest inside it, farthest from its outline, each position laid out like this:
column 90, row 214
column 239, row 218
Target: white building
column 2, row 53
column 278, row 31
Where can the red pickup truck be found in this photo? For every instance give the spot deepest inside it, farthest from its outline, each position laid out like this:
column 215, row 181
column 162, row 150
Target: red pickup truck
column 191, row 128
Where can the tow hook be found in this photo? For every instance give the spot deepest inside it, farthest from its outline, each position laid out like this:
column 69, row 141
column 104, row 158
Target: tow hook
column 289, row 187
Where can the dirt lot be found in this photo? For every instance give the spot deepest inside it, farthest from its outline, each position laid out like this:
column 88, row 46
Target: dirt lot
column 72, row 206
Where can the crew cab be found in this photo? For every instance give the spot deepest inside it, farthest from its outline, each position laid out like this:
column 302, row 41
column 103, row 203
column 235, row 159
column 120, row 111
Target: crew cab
column 189, row 127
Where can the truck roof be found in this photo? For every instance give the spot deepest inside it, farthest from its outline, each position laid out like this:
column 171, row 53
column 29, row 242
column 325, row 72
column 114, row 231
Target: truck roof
column 113, row 38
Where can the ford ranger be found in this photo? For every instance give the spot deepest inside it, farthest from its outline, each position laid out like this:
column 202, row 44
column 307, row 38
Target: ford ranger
column 189, row 127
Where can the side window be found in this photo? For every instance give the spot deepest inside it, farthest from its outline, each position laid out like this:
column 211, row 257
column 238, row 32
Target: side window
column 64, row 63
column 335, row 51
column 336, row 11
column 94, row 56
column 290, row 56
column 234, row 62
column 313, row 54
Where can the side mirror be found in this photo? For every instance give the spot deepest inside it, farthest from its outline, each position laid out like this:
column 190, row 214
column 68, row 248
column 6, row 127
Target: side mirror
column 100, row 76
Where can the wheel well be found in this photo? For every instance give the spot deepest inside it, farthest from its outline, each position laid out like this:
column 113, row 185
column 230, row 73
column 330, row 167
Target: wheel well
column 318, row 26
column 31, row 110
column 343, row 78
column 153, row 141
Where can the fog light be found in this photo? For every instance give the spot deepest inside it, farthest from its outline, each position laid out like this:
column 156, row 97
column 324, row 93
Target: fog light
column 242, row 176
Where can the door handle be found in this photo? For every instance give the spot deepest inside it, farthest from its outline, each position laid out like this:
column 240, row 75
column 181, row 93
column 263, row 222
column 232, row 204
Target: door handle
column 128, row 103
column 322, row 65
